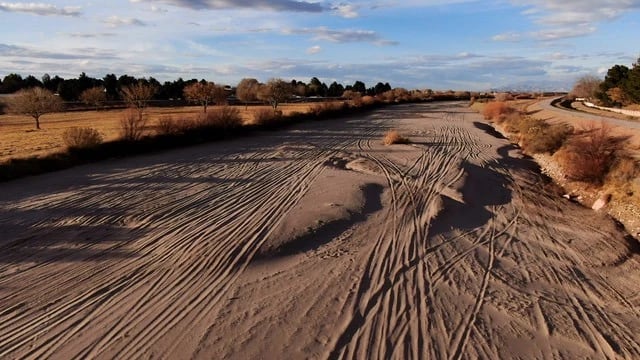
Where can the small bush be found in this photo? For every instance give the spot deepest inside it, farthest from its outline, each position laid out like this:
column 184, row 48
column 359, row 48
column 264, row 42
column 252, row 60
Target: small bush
column 538, row 136
column 264, row 117
column 81, row 138
column 225, row 117
column 356, row 99
column 132, row 125
column 624, row 170
column 394, row 137
column 327, row 108
column 589, row 155
column 510, row 121
column 368, row 100
column 502, row 97
column 495, row 109
column 167, row 125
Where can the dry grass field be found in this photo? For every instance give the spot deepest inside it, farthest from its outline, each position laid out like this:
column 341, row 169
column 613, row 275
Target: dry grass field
column 20, row 139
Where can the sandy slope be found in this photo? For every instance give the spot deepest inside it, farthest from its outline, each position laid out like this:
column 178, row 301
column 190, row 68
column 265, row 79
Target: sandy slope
column 316, row 242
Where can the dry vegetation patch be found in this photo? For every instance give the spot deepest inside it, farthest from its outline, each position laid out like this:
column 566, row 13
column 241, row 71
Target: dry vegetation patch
column 495, row 109
column 591, row 152
column 81, row 138
column 225, row 117
column 394, row 137
column 19, row 139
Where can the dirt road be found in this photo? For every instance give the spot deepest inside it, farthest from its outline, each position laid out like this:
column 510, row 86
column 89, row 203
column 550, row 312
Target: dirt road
column 630, row 124
column 316, row 242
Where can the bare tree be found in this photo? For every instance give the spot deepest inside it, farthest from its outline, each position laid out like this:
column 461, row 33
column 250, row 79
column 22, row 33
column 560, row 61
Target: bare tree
column 586, row 87
column 35, row 102
column 138, row 95
column 205, row 93
column 247, row 90
column 95, row 96
column 275, row 91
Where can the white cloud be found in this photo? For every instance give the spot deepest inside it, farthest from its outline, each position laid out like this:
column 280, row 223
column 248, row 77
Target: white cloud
column 314, row 50
column 562, row 33
column 546, row 34
column 342, row 36
column 510, row 37
column 116, row 21
column 571, row 12
column 276, row 5
column 348, row 11
column 158, row 9
column 40, row 9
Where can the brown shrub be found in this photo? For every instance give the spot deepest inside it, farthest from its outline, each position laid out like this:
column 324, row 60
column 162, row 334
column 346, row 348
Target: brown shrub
column 538, row 136
column 132, row 125
column 80, row 138
column 501, row 97
column 510, row 121
column 394, row 137
column 495, row 109
column 368, row 100
column 356, row 100
column 167, row 125
column 264, row 117
column 590, row 153
column 225, row 117
column 624, row 170
column 541, row 137
column 327, row 107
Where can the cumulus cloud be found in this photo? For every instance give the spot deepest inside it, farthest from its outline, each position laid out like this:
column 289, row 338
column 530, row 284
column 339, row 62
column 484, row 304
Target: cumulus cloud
column 40, row 9
column 277, row 5
column 116, row 21
column 342, row 36
column 314, row 50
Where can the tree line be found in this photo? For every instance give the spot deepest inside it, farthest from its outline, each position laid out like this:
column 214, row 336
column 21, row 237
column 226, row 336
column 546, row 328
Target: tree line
column 73, row 88
column 620, row 86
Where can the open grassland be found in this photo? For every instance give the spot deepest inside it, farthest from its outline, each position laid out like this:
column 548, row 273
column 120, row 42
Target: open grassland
column 20, row 139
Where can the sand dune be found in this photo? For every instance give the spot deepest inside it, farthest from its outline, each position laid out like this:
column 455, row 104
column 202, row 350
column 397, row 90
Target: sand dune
column 316, row 242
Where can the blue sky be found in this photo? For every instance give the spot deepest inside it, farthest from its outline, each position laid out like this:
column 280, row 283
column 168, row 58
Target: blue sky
column 458, row 45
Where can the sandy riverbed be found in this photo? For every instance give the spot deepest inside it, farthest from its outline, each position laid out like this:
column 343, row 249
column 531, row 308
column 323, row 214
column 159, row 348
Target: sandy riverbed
column 316, row 242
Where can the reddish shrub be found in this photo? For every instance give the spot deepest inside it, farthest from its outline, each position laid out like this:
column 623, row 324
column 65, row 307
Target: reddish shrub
column 495, row 109
column 589, row 154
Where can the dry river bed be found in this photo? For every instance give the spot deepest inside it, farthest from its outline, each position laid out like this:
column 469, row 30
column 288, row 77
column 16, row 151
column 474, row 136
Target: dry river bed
column 316, row 242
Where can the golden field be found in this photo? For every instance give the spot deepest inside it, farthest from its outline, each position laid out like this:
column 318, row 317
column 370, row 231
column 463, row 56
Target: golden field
column 20, row 139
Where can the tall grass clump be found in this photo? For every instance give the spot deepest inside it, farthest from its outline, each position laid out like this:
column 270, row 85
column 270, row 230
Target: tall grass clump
column 81, row 138
column 394, row 137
